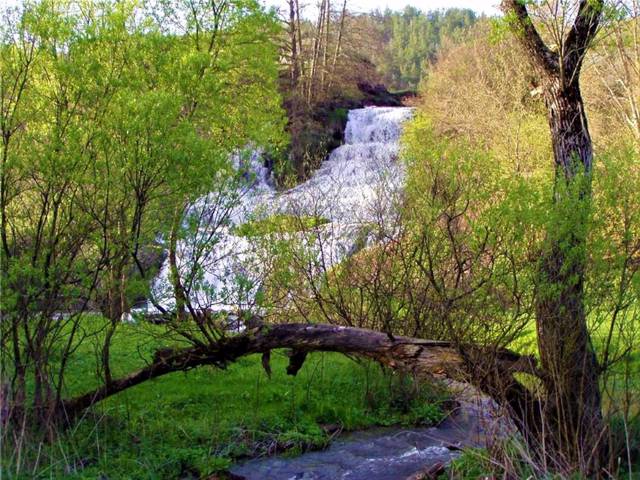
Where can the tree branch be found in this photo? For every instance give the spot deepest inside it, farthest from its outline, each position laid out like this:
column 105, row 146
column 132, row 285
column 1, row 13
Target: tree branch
column 542, row 56
column 422, row 357
column 581, row 35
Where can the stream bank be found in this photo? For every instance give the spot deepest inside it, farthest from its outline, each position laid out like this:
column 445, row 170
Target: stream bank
column 390, row 453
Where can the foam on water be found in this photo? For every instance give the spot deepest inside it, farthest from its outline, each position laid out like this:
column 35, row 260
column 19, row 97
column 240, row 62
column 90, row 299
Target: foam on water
column 347, row 187
column 357, row 185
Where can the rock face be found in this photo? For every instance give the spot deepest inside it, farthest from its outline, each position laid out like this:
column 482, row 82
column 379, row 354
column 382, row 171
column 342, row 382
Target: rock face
column 377, row 95
column 316, row 132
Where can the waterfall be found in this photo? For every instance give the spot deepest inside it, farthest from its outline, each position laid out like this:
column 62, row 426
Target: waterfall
column 356, row 186
column 347, row 186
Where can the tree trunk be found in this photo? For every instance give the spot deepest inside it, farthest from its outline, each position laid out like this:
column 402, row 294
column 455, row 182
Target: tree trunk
column 336, row 53
column 174, row 272
column 295, row 71
column 573, row 414
column 574, row 431
column 300, row 51
column 572, row 146
column 315, row 56
column 327, row 23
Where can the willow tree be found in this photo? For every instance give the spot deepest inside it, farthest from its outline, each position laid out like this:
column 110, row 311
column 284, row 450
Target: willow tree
column 574, row 427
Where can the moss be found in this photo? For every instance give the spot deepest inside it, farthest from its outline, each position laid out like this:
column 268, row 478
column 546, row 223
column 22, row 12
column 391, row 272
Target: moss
column 279, row 223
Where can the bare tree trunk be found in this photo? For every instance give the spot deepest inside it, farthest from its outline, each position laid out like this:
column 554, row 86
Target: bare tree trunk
column 295, row 71
column 336, row 52
column 327, row 22
column 317, row 45
column 300, row 51
column 573, row 424
column 174, row 271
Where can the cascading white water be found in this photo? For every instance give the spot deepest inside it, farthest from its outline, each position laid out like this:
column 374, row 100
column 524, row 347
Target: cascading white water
column 349, row 185
column 356, row 186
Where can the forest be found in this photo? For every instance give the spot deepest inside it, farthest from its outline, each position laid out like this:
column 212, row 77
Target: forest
column 302, row 241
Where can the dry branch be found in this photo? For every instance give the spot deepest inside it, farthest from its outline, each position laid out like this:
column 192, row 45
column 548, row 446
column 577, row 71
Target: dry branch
column 418, row 356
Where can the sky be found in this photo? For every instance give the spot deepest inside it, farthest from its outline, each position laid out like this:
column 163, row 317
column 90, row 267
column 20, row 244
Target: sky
column 489, row 7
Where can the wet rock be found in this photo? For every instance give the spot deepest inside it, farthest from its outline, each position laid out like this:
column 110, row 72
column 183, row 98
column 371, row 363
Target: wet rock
column 331, row 429
column 429, row 473
column 378, row 95
column 225, row 476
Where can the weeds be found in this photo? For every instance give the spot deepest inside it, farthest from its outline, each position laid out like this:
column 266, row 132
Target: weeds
column 186, row 425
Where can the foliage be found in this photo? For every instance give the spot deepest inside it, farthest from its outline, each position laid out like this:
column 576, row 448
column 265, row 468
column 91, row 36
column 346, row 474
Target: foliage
column 472, row 463
column 196, row 423
column 461, row 259
column 414, row 41
column 492, row 157
column 114, row 116
column 339, row 59
column 121, row 122
column 279, row 223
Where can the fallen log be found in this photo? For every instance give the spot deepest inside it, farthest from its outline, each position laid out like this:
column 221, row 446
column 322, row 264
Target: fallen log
column 491, row 371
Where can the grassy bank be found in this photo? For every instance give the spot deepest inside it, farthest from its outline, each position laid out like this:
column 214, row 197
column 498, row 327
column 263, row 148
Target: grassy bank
column 188, row 425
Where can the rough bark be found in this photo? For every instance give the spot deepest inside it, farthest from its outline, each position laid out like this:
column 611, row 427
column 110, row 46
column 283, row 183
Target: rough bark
column 573, row 414
column 566, row 354
column 295, row 70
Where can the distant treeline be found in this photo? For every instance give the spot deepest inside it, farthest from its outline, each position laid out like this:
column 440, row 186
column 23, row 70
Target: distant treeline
column 326, row 60
column 411, row 39
column 330, row 54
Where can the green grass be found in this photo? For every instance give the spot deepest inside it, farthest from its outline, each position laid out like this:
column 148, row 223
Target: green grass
column 185, row 425
column 624, row 374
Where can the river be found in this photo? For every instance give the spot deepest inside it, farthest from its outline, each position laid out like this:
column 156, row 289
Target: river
column 358, row 184
column 391, row 453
